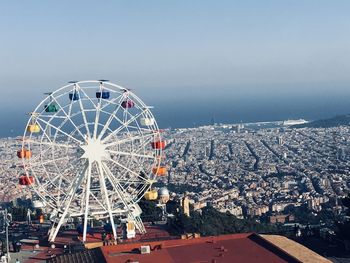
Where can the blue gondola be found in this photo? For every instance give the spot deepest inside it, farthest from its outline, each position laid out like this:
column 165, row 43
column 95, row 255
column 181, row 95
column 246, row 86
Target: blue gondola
column 80, row 229
column 74, row 96
column 108, row 228
column 104, row 94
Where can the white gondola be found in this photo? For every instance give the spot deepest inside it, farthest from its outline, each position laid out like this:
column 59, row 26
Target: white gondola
column 147, row 121
column 38, row 204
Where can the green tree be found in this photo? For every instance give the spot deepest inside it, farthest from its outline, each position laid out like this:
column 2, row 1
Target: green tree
column 344, row 228
column 150, row 211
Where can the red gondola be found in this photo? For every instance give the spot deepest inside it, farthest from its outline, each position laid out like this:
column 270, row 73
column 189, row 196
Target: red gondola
column 158, row 145
column 24, row 180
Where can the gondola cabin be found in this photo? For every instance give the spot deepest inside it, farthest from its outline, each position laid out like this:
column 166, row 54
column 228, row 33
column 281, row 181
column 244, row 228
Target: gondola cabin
column 38, row 204
column 104, row 95
column 52, row 107
column 24, row 154
column 151, row 195
column 74, row 96
column 34, row 128
column 147, row 121
column 26, row 180
column 127, row 104
column 159, row 171
column 158, row 145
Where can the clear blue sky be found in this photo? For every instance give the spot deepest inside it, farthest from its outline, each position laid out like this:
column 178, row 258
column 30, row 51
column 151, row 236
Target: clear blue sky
column 196, row 49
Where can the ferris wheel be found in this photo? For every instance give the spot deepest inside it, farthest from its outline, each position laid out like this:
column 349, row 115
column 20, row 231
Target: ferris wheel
column 92, row 149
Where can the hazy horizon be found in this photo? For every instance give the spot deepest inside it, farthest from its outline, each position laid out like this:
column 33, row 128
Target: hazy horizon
column 192, row 60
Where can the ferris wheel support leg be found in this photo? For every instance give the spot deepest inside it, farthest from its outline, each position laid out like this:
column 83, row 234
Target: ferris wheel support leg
column 128, row 203
column 104, row 189
column 87, row 196
column 55, row 230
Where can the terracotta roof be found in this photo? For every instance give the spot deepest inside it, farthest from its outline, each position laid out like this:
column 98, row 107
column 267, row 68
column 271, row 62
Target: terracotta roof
column 295, row 249
column 247, row 247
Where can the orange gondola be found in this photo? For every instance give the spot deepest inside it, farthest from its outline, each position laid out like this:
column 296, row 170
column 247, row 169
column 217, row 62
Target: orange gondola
column 24, row 153
column 160, row 171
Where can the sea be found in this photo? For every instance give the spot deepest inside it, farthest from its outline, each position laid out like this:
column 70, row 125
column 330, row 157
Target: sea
column 192, row 112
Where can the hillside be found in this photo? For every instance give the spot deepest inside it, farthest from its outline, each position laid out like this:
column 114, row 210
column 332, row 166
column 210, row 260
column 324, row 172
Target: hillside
column 341, row 120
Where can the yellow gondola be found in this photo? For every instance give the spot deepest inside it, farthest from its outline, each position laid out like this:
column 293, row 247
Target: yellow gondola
column 34, row 128
column 151, row 195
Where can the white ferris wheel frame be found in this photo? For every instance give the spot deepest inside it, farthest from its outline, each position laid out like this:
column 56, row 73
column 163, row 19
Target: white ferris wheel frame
column 67, row 186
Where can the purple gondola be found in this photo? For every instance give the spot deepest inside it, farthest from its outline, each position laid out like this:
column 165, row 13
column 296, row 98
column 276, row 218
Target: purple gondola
column 126, row 104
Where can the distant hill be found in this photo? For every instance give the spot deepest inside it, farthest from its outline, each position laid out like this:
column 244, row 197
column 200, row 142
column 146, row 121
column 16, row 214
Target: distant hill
column 342, row 120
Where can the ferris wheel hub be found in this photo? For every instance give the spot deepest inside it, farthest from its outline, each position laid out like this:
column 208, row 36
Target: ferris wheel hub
column 94, row 150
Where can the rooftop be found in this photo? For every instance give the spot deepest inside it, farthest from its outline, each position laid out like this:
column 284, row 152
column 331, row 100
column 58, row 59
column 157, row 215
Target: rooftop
column 248, row 247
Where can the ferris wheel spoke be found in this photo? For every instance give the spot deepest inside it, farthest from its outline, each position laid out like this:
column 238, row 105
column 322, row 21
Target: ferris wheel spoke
column 123, row 125
column 98, row 201
column 128, row 170
column 62, row 174
column 125, row 181
column 41, row 128
column 51, row 181
column 98, row 111
column 87, row 198
column 50, row 161
column 105, row 193
column 144, row 143
column 114, row 102
column 39, row 160
column 57, row 188
column 97, row 117
column 131, row 154
column 87, row 96
column 139, row 149
column 110, row 179
column 59, row 130
column 68, row 116
column 72, row 189
column 83, row 113
column 121, row 192
column 54, row 117
column 67, row 202
column 111, row 116
column 130, row 139
column 140, row 129
column 50, row 143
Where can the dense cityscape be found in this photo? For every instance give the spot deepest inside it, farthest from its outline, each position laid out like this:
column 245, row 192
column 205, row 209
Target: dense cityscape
column 252, row 171
column 247, row 170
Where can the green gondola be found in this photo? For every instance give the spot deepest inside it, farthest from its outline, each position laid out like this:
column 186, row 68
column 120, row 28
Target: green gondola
column 52, row 107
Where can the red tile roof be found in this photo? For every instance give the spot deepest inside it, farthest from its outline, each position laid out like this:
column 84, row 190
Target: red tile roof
column 247, row 247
